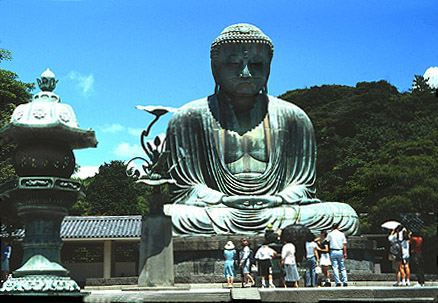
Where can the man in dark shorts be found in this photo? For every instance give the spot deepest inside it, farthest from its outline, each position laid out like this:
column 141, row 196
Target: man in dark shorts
column 264, row 255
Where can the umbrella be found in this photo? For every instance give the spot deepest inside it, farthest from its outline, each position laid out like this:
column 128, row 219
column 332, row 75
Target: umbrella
column 390, row 224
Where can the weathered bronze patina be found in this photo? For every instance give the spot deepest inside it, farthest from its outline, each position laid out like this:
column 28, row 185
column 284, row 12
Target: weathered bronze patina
column 45, row 132
column 248, row 158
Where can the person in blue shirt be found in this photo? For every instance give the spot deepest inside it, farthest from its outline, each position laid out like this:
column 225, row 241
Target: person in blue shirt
column 230, row 256
column 5, row 255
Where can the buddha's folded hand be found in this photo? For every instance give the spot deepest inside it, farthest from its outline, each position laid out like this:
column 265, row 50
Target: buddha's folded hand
column 252, row 202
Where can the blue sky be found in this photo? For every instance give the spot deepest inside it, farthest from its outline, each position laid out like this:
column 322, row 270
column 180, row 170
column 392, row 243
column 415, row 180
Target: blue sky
column 111, row 56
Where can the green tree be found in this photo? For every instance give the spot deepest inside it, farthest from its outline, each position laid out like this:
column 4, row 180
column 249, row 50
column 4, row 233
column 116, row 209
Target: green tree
column 401, row 180
column 376, row 147
column 112, row 192
column 420, row 85
column 12, row 93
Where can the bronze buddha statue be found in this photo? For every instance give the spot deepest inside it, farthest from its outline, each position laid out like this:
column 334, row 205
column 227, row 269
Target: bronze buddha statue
column 248, row 158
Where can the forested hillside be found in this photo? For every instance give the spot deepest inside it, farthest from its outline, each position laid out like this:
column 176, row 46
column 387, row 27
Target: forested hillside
column 377, row 148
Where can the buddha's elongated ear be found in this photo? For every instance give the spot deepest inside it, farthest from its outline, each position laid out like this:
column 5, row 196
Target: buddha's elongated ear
column 265, row 87
column 213, row 71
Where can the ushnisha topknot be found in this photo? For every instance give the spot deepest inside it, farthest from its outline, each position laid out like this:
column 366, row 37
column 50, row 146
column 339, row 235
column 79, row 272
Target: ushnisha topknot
column 240, row 33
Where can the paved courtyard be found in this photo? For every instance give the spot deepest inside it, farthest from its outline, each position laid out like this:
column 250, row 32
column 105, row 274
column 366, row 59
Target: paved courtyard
column 215, row 293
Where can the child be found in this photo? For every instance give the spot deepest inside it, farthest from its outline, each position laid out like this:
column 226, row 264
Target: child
column 265, row 254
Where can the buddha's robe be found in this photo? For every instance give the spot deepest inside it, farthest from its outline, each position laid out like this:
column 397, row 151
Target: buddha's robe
column 196, row 143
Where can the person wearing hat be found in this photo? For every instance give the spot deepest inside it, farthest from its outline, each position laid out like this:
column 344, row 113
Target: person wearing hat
column 229, row 255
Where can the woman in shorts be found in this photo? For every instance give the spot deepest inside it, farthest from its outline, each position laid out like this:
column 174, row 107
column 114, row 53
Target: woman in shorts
column 401, row 235
column 245, row 264
column 324, row 256
column 265, row 254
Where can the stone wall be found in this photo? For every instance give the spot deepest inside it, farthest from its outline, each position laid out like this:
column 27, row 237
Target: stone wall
column 199, row 259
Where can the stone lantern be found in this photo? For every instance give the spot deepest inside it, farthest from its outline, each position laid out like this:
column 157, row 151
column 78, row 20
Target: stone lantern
column 45, row 132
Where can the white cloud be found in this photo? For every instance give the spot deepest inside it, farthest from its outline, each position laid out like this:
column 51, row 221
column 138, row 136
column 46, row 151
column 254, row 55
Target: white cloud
column 117, row 127
column 86, row 171
column 112, row 128
column 126, row 150
column 84, row 82
column 432, row 75
column 135, row 131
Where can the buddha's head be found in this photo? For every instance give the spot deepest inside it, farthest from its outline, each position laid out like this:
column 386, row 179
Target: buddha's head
column 240, row 60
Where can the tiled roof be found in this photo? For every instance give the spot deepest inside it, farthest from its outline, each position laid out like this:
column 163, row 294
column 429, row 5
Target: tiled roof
column 98, row 227
column 101, row 227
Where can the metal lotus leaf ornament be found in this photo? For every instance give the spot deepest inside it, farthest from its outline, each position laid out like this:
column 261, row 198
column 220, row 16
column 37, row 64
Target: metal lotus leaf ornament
column 153, row 171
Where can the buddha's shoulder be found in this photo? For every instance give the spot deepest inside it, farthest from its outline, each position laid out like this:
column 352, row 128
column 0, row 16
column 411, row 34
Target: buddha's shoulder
column 194, row 106
column 191, row 110
column 286, row 107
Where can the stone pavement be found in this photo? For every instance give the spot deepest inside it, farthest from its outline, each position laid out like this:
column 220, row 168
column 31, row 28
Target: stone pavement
column 215, row 293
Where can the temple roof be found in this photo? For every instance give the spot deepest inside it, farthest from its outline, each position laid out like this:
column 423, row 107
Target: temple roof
column 96, row 227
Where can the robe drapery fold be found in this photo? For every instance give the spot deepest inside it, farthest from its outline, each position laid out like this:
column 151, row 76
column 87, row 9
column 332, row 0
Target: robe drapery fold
column 202, row 176
column 203, row 179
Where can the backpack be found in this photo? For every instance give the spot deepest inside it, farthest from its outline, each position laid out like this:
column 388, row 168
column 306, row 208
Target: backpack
column 236, row 260
column 395, row 250
column 252, row 259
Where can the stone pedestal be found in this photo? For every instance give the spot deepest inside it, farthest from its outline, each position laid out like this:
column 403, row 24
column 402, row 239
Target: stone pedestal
column 42, row 203
column 199, row 259
column 156, row 251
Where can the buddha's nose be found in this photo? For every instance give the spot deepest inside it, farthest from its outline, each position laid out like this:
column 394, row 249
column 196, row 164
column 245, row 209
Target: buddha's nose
column 245, row 72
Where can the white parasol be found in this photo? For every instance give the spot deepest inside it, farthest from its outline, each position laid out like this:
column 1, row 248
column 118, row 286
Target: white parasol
column 390, row 224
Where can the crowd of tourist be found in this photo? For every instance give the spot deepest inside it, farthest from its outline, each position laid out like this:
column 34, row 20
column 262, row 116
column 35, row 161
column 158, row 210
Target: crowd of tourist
column 327, row 250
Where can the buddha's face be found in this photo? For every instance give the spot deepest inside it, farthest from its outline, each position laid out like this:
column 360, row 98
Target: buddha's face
column 242, row 69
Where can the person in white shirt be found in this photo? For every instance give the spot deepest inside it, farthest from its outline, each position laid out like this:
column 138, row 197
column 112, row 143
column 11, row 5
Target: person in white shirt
column 312, row 260
column 245, row 264
column 338, row 253
column 401, row 235
column 290, row 267
column 264, row 255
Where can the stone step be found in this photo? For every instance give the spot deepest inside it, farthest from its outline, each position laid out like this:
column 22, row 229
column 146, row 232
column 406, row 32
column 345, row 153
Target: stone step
column 247, row 294
column 311, row 295
column 367, row 279
column 383, row 300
